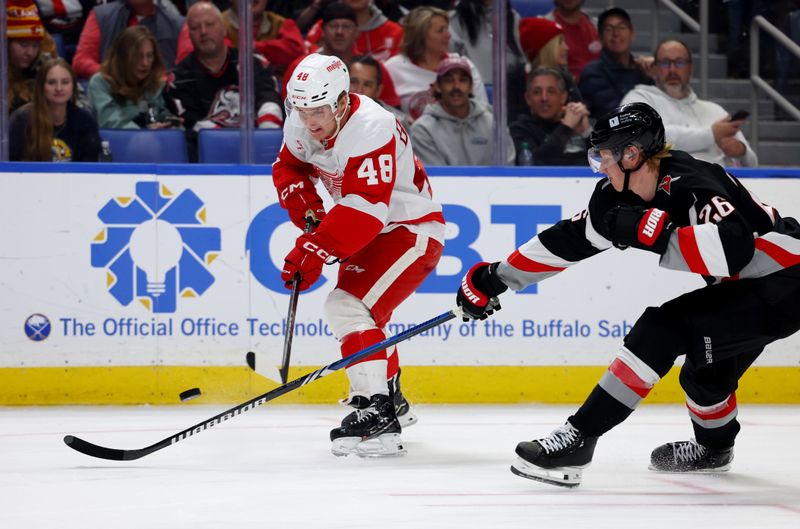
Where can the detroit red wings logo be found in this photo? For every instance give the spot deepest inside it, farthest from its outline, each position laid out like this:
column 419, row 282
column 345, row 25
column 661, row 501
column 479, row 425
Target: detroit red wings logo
column 666, row 183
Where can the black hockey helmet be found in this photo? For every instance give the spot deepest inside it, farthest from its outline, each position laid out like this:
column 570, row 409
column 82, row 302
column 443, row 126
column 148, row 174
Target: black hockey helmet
column 632, row 124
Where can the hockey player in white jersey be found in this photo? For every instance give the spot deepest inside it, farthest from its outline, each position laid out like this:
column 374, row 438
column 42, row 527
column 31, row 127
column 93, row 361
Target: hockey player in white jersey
column 699, row 219
column 384, row 229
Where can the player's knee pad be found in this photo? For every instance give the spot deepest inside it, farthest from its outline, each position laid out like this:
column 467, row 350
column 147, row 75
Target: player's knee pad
column 657, row 339
column 345, row 313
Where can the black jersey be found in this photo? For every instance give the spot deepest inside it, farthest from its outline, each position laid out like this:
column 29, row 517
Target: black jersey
column 721, row 229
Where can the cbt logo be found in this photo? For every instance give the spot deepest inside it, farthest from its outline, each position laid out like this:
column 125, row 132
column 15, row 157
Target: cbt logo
column 155, row 247
column 458, row 250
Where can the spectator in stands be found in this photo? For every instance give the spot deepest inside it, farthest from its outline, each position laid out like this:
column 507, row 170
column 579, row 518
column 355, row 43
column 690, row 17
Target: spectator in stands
column 579, row 32
column 126, row 92
column 52, row 127
column 426, row 38
column 64, row 19
column 555, row 129
column 107, row 21
column 203, row 89
column 366, row 78
column 276, row 38
column 308, row 11
column 544, row 44
column 377, row 35
column 455, row 130
column 605, row 82
column 700, row 127
column 29, row 46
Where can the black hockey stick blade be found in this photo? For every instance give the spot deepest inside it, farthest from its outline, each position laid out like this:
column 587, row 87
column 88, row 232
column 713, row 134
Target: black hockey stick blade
column 115, row 454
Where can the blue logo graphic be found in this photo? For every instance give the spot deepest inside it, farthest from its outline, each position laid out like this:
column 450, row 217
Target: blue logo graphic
column 155, row 247
column 37, row 327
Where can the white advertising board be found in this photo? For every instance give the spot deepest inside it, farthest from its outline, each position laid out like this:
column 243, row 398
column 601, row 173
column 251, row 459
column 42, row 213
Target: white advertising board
column 144, row 269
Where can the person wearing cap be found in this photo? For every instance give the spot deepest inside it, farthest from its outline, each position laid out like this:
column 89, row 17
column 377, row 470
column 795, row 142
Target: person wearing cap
column 579, row 32
column 545, row 46
column 604, row 82
column 426, row 40
column 339, row 33
column 368, row 77
column 555, row 129
column 456, row 130
column 377, row 35
column 29, row 45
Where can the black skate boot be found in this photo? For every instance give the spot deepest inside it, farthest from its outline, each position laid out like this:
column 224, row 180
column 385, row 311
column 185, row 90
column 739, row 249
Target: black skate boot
column 359, row 402
column 690, row 456
column 558, row 459
column 373, row 432
column 402, row 408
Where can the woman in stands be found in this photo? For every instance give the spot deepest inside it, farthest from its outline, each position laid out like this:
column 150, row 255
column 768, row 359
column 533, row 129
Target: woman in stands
column 426, row 40
column 29, row 45
column 126, row 92
column 544, row 44
column 52, row 127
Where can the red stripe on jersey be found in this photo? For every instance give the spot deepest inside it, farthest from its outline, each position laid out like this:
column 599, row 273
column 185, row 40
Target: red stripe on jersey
column 271, row 118
column 730, row 405
column 782, row 256
column 59, row 9
column 690, row 252
column 627, row 376
column 435, row 216
column 520, row 262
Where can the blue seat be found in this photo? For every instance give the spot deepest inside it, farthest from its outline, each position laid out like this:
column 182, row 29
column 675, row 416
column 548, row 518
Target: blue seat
column 222, row 145
column 146, row 146
column 532, row 8
column 489, row 92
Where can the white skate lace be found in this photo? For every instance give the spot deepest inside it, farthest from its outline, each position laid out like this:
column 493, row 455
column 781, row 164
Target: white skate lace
column 559, row 438
column 363, row 415
column 688, row 451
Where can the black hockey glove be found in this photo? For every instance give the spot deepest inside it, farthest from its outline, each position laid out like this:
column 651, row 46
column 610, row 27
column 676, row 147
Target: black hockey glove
column 477, row 295
column 639, row 227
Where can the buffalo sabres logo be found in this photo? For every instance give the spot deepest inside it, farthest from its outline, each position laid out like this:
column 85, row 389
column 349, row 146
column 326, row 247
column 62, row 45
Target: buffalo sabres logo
column 666, row 183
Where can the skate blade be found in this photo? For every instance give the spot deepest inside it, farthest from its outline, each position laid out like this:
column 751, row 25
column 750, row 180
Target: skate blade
column 345, row 446
column 569, row 477
column 717, row 470
column 385, row 445
column 409, row 418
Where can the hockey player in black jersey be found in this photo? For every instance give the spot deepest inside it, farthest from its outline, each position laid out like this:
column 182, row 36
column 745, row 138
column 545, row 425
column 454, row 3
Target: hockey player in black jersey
column 699, row 219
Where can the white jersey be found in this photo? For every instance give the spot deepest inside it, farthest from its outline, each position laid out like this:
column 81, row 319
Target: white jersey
column 369, row 167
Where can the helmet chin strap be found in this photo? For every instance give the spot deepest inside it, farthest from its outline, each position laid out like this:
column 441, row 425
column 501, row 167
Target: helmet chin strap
column 338, row 123
column 627, row 173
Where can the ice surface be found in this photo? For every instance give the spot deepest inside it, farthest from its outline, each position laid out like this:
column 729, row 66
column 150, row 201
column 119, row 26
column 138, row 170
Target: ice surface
column 272, row 468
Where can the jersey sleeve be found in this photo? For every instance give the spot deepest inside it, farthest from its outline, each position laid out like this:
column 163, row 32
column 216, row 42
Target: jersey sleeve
column 719, row 242
column 288, row 170
column 557, row 248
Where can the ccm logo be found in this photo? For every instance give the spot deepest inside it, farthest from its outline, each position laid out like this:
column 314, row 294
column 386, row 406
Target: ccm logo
column 652, row 222
column 354, row 268
column 312, row 248
column 290, row 189
column 468, row 292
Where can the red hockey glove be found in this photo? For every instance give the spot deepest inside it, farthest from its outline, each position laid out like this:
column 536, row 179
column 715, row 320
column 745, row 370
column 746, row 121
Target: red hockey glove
column 301, row 200
column 305, row 259
column 477, row 294
column 646, row 229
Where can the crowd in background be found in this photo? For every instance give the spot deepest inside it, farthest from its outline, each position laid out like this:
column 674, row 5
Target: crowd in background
column 79, row 66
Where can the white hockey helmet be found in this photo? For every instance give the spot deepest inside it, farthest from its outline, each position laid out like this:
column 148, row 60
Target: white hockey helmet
column 318, row 80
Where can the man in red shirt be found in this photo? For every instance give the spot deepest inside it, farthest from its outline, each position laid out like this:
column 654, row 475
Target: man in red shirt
column 579, row 32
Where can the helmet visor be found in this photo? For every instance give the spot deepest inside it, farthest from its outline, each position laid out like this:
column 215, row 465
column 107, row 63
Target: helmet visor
column 600, row 159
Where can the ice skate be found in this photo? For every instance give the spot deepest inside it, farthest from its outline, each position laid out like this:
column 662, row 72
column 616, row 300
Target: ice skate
column 373, row 431
column 690, row 456
column 558, row 459
column 402, row 407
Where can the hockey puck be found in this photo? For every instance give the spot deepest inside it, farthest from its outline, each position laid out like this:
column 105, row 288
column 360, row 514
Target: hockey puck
column 190, row 394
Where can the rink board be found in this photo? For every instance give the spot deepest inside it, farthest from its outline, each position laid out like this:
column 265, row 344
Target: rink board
column 129, row 284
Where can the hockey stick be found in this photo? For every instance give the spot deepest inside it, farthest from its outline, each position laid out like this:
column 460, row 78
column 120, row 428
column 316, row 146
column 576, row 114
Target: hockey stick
column 116, row 454
column 287, row 340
